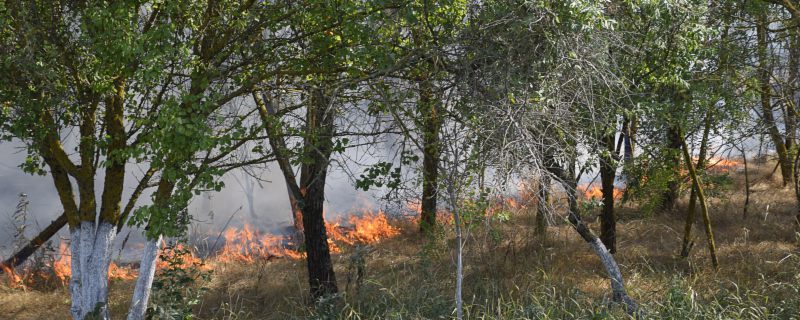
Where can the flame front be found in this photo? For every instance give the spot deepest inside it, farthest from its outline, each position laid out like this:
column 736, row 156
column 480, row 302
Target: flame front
column 241, row 245
column 63, row 271
column 246, row 245
column 721, row 165
column 61, row 266
column 596, row 192
column 14, row 280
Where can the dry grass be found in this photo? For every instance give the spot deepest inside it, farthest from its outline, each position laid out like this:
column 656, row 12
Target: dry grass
column 508, row 270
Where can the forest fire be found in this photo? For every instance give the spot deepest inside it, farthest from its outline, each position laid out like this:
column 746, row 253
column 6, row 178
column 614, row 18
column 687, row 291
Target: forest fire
column 246, row 245
column 596, row 192
column 443, row 216
column 366, row 229
column 721, row 165
column 63, row 271
column 179, row 256
column 14, row 280
column 61, row 265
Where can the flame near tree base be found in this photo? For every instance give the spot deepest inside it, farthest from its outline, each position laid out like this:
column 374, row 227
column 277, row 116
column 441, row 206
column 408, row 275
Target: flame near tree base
column 241, row 245
column 246, row 245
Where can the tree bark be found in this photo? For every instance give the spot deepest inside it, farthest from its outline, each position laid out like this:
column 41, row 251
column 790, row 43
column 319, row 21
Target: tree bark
column 430, row 162
column 91, row 256
column 318, row 146
column 796, row 190
column 790, row 124
column 703, row 205
column 627, row 138
column 608, row 172
column 747, row 183
column 619, row 293
column 297, row 213
column 144, row 283
column 541, row 207
column 688, row 241
column 459, row 251
column 764, row 74
column 670, row 196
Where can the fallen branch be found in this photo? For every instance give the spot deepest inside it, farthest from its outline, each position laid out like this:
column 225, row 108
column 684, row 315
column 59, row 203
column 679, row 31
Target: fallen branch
column 23, row 254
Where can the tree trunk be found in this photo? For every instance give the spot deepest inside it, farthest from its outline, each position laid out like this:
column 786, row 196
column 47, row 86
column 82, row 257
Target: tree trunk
column 144, row 283
column 25, row 252
column 796, row 189
column 764, row 74
column 619, row 293
column 297, row 214
column 268, row 113
column 608, row 171
column 318, row 148
column 309, row 201
column 747, row 183
column 91, row 256
column 430, row 162
column 459, row 251
column 688, row 239
column 703, row 205
column 627, row 140
column 790, row 124
column 791, row 112
column 541, row 207
column 670, row 196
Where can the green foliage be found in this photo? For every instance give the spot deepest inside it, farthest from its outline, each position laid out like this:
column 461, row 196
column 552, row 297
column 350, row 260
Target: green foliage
column 648, row 181
column 378, row 175
column 716, row 184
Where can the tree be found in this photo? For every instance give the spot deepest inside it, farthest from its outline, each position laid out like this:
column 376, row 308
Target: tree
column 85, row 89
column 118, row 80
column 697, row 186
column 783, row 147
column 533, row 101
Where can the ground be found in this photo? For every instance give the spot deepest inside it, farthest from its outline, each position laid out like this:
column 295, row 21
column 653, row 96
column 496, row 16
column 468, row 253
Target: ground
column 512, row 273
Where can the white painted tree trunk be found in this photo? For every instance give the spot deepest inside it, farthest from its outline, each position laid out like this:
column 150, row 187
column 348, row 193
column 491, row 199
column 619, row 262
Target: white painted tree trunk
column 144, row 283
column 91, row 255
column 75, row 281
column 459, row 266
column 617, row 284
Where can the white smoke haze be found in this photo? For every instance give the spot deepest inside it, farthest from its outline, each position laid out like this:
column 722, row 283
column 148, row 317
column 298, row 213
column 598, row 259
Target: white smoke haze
column 210, row 210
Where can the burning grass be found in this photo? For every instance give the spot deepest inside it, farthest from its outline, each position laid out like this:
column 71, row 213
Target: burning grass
column 510, row 273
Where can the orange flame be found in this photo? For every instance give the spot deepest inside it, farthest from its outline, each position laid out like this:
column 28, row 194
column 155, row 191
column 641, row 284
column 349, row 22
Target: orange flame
column 595, row 192
column 121, row 273
column 246, row 245
column 187, row 256
column 14, row 280
column 722, row 165
column 242, row 245
column 443, row 216
column 367, row 228
column 62, row 267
